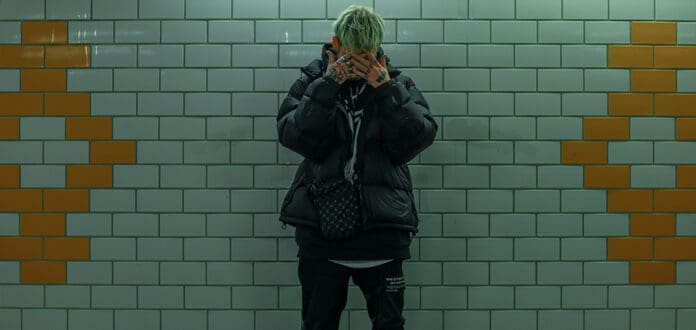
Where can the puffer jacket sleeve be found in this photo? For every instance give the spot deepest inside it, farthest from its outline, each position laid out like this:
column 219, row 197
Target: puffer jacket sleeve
column 306, row 118
column 408, row 126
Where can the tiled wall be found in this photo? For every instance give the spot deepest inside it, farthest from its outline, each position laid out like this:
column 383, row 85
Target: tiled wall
column 140, row 173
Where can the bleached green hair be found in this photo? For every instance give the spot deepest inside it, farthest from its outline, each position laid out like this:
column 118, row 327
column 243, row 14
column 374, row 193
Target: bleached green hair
column 358, row 28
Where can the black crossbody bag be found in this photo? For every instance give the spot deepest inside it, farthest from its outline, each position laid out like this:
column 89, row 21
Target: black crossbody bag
column 337, row 202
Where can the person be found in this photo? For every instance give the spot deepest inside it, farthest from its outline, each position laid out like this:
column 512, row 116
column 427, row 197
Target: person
column 352, row 112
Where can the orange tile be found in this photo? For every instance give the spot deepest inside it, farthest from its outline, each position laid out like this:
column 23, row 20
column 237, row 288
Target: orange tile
column 88, row 128
column 653, row 272
column 686, row 176
column 9, row 176
column 43, row 80
column 21, row 104
column 9, row 128
column 72, row 56
column 675, row 248
column 675, row 105
column 42, row 224
column 16, row 248
column 653, row 32
column 581, row 152
column 607, row 176
column 675, row 57
column 653, row 80
column 630, row 56
column 675, row 200
column 89, row 176
column 630, row 200
column 44, row 32
column 686, row 129
column 652, row 224
column 20, row 200
column 67, row 104
column 607, row 128
column 629, row 248
column 631, row 104
column 42, row 272
column 112, row 152
column 12, row 56
column 66, row 248
column 66, row 200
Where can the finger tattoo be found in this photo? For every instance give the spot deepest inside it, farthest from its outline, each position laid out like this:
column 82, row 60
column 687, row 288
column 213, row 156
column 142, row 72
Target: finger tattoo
column 382, row 76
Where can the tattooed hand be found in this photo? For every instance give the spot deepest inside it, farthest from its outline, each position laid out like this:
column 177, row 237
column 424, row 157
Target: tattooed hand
column 339, row 70
column 366, row 66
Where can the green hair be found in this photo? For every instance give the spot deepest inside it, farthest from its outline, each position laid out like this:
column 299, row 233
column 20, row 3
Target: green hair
column 358, row 28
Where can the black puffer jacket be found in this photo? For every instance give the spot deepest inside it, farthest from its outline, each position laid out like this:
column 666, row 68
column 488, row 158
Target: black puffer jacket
column 396, row 126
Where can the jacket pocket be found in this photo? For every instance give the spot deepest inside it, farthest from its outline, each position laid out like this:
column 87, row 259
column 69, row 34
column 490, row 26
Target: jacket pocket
column 389, row 205
column 290, row 194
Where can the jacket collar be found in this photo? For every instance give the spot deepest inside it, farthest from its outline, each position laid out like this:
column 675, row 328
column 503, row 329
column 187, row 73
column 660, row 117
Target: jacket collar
column 318, row 66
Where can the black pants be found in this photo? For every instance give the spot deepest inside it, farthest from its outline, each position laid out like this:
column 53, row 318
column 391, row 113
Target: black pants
column 325, row 291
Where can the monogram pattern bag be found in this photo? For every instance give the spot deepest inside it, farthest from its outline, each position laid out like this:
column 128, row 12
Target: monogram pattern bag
column 338, row 204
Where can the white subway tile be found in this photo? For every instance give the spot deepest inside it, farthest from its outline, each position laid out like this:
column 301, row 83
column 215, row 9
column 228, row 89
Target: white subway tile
column 21, row 9
column 110, row 9
column 68, row 9
column 137, row 31
column 443, row 55
column 89, row 80
column 537, row 56
column 302, row 8
column 607, row 32
column 513, row 80
column 136, row 80
column 255, row 55
column 278, row 80
column 491, row 8
column 425, row 79
column 561, row 32
column 297, row 55
column 420, row 31
column 184, row 31
column 539, row 9
column 468, row 31
column 160, row 55
column 208, row 9
column 686, row 81
column 403, row 55
column 278, row 31
column 9, row 80
column 681, row 10
column 207, row 55
column 183, row 79
column 230, row 80
column 164, row 9
column 91, row 32
column 335, row 7
column 231, row 31
column 585, row 9
column 631, row 9
column 585, row 56
column 398, row 9
column 607, row 80
column 467, row 79
column 686, row 33
column 514, row 32
column 114, row 55
column 255, row 9
column 10, row 32
column 491, row 55
column 560, row 80
column 445, row 9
